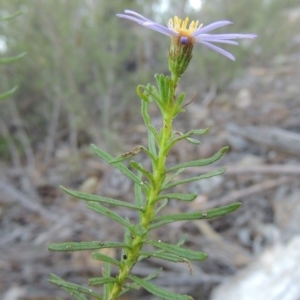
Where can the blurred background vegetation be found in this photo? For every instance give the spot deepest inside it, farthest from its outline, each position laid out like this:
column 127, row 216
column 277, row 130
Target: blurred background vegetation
column 77, row 82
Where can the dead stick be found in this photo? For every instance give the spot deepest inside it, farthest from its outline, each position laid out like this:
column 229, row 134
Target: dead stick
column 262, row 169
column 254, row 189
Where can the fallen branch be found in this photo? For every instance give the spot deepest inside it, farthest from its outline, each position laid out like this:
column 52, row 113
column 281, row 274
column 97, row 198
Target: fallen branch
column 254, row 189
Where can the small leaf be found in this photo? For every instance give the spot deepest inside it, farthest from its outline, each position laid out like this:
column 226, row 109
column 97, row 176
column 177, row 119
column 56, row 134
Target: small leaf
column 204, row 176
column 185, row 136
column 205, row 215
column 139, row 229
column 74, row 246
column 121, row 167
column 193, row 141
column 167, row 180
column 138, row 193
column 8, row 93
column 181, row 240
column 162, row 255
column 144, row 171
column 201, row 162
column 135, row 286
column 72, row 286
column 147, row 120
column 106, row 258
column 163, row 83
column 177, row 196
column 75, row 294
column 110, row 214
column 95, row 198
column 180, row 99
column 142, row 94
column 106, row 287
column 126, row 155
column 129, row 154
column 153, row 275
column 162, row 205
column 157, row 291
column 151, row 144
column 182, row 252
column 101, row 280
column 8, row 60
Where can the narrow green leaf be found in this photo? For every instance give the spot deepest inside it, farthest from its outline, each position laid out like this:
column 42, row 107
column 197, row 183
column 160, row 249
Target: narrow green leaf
column 74, row 294
column 159, row 224
column 162, row 255
column 138, row 193
column 8, row 93
column 205, row 215
column 153, row 275
column 197, row 132
column 182, row 252
column 72, row 286
column 150, row 90
column 157, row 291
column 107, row 286
column 147, row 120
column 139, row 230
column 135, row 286
column 106, row 258
column 151, row 145
column 201, row 162
column 131, row 153
column 74, row 246
column 101, row 280
column 127, row 287
column 185, row 136
column 8, row 60
column 180, row 99
column 177, row 196
column 142, row 95
column 162, row 205
column 11, row 16
column 163, row 83
column 95, row 198
column 110, row 214
column 193, row 141
column 144, row 171
column 121, row 167
column 204, row 176
column 168, row 179
column 181, row 240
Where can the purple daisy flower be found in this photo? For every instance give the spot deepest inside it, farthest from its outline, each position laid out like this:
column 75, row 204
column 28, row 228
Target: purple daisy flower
column 194, row 33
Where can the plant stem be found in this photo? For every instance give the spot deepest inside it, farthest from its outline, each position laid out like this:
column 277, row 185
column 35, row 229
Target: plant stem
column 137, row 241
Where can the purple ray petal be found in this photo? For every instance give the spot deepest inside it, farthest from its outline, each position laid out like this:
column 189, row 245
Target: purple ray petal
column 130, row 18
column 229, row 36
column 217, row 49
column 127, row 11
column 199, row 40
column 159, row 28
column 210, row 27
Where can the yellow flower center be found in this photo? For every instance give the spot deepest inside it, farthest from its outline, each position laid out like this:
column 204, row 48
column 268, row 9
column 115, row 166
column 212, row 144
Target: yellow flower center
column 181, row 26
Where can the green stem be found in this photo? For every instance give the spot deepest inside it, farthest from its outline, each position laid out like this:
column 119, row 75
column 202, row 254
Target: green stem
column 148, row 214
